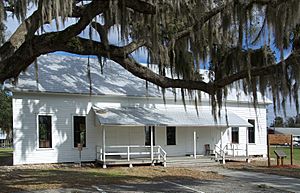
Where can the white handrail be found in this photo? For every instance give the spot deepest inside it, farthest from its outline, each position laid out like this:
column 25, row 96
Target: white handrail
column 127, row 150
column 162, row 152
column 221, row 152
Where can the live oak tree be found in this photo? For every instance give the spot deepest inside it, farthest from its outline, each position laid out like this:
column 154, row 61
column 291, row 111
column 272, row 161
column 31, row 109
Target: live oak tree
column 5, row 112
column 234, row 39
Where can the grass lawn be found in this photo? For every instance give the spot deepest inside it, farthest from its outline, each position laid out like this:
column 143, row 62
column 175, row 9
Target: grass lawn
column 6, row 156
column 39, row 177
column 5, row 152
column 296, row 159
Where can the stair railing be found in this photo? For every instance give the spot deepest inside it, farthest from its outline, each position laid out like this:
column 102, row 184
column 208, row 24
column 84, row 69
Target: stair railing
column 220, row 152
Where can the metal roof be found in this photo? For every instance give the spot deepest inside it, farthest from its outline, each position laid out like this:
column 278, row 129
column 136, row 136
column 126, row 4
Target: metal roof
column 287, row 130
column 140, row 116
column 69, row 74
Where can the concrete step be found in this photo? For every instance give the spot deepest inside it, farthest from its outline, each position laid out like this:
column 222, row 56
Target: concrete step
column 234, row 158
column 190, row 162
column 190, row 165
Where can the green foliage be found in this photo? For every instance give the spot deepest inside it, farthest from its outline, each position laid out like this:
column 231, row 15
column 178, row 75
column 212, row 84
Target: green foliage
column 5, row 112
column 286, row 150
column 278, row 122
column 5, row 152
column 289, row 122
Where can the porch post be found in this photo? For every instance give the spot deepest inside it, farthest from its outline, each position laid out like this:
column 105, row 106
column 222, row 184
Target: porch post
column 151, row 144
column 221, row 143
column 247, row 143
column 195, row 144
column 222, row 150
column 103, row 146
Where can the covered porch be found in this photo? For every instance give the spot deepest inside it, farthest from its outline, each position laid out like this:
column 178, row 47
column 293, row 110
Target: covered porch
column 136, row 135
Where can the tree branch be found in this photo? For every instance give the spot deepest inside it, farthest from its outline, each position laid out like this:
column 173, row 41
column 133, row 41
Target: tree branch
column 9, row 9
column 209, row 14
column 140, row 6
column 48, row 43
column 145, row 73
column 293, row 59
column 102, row 31
column 27, row 28
column 201, row 21
column 30, row 25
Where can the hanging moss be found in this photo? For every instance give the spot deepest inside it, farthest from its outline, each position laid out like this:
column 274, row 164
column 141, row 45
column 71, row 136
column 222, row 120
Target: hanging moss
column 223, row 43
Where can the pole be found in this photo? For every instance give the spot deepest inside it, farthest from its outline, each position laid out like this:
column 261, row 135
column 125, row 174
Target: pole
column 103, row 144
column 79, row 158
column 292, row 150
column 195, row 144
column 79, row 147
column 268, row 150
column 151, row 144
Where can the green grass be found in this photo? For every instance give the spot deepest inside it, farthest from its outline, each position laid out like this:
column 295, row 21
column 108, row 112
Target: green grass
column 5, row 152
column 286, row 149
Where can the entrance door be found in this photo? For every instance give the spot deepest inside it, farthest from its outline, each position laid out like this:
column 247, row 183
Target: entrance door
column 199, row 143
column 203, row 138
column 148, row 135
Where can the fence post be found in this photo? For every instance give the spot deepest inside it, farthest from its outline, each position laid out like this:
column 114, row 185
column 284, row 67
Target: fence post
column 223, row 158
column 101, row 154
column 292, row 150
column 128, row 153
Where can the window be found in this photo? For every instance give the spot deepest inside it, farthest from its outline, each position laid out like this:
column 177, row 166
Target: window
column 171, row 135
column 45, row 133
column 148, row 135
column 251, row 131
column 234, row 135
column 79, row 131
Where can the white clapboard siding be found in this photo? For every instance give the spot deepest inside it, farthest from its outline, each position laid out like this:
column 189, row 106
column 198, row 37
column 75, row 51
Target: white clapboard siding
column 62, row 108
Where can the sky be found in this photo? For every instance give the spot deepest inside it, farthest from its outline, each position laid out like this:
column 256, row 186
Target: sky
column 140, row 55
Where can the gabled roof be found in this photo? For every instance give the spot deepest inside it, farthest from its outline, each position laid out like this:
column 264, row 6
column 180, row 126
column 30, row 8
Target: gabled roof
column 69, row 74
column 287, row 130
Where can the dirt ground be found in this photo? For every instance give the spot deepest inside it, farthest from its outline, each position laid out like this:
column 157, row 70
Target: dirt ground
column 38, row 177
column 55, row 178
column 58, row 178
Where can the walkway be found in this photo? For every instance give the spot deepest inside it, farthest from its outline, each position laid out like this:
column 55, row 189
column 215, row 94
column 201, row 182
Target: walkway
column 285, row 184
column 279, row 182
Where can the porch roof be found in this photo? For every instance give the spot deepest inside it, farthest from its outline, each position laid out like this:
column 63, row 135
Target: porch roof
column 140, row 116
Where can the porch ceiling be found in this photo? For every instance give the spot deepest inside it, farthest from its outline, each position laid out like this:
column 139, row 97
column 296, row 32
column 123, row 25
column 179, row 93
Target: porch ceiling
column 140, row 116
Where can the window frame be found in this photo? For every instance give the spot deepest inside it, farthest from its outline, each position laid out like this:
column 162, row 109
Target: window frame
column 38, row 131
column 238, row 135
column 248, row 131
column 175, row 136
column 73, row 130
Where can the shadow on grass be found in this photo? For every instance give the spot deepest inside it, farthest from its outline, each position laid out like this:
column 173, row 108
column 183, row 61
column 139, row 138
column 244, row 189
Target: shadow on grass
column 15, row 179
column 6, row 157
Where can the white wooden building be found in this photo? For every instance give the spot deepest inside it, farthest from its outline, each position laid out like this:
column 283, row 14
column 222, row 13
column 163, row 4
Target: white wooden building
column 120, row 117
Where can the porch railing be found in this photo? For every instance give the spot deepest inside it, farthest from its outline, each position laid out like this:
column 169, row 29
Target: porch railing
column 219, row 152
column 130, row 151
column 235, row 149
